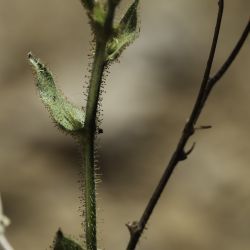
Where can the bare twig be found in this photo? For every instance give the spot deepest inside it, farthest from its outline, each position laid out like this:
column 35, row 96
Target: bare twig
column 213, row 80
column 136, row 228
column 197, row 107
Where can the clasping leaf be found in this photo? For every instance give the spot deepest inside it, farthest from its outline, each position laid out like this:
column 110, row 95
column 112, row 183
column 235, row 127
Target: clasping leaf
column 63, row 243
column 65, row 114
column 124, row 34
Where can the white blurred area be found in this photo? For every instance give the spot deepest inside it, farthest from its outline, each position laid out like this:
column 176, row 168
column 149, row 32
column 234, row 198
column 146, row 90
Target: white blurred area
column 149, row 95
column 4, row 222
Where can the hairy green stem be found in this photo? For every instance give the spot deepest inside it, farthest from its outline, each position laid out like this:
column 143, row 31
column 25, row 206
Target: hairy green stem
column 89, row 189
column 88, row 145
column 103, row 36
column 94, row 87
column 90, row 130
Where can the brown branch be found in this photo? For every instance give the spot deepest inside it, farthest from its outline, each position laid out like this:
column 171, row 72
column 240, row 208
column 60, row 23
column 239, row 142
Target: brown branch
column 136, row 228
column 197, row 107
column 213, row 80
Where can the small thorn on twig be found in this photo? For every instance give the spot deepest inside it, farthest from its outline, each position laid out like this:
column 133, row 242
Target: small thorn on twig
column 191, row 149
column 185, row 154
column 203, row 127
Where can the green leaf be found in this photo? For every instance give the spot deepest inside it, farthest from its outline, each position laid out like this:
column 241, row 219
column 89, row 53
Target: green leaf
column 129, row 20
column 66, row 115
column 124, row 34
column 63, row 243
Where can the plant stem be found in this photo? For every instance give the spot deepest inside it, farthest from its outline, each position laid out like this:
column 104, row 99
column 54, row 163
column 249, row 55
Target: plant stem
column 213, row 80
column 90, row 128
column 88, row 145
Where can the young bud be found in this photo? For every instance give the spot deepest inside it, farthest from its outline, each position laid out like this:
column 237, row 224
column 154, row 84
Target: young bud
column 99, row 14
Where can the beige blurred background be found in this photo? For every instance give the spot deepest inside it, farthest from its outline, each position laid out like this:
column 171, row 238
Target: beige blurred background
column 149, row 96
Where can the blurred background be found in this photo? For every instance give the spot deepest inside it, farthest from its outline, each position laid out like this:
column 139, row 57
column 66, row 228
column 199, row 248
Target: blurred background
column 149, row 96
